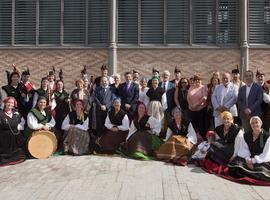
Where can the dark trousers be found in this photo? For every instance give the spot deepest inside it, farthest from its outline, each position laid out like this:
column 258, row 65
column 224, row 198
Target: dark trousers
column 198, row 120
column 100, row 121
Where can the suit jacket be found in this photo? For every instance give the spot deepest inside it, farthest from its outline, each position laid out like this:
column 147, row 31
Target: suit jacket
column 169, row 95
column 229, row 100
column 102, row 98
column 255, row 99
column 129, row 96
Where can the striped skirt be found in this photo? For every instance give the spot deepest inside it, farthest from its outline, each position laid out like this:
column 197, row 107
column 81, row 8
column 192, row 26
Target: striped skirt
column 76, row 141
column 174, row 148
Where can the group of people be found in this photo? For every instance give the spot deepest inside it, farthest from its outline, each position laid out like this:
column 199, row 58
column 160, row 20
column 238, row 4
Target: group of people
column 222, row 124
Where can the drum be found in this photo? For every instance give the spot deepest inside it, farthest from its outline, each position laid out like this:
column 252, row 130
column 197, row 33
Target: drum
column 42, row 144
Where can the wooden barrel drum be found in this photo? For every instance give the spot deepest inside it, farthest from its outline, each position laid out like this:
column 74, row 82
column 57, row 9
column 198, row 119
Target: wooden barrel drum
column 42, row 144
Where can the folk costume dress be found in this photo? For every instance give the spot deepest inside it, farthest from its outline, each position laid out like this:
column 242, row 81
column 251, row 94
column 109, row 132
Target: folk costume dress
column 222, row 149
column 62, row 107
column 157, row 103
column 37, row 119
column 142, row 139
column 45, row 93
column 258, row 152
column 16, row 92
column 77, row 138
column 109, row 141
column 176, row 146
column 11, row 139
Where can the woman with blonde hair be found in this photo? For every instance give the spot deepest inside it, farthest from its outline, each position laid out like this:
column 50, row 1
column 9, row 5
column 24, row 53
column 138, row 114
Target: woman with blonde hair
column 221, row 150
column 251, row 159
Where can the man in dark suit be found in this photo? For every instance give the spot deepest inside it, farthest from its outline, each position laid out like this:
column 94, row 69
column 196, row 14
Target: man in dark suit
column 129, row 93
column 250, row 98
column 103, row 99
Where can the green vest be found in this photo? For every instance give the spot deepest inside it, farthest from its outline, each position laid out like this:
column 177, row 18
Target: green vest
column 40, row 117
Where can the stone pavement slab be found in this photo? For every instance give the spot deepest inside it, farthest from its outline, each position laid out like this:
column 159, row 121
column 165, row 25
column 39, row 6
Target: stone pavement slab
column 115, row 178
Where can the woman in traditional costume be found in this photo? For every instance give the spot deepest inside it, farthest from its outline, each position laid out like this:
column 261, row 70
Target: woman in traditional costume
column 76, row 126
column 62, row 104
column 11, row 140
column 44, row 91
column 157, row 100
column 117, row 126
column 222, row 148
column 40, row 118
column 15, row 89
column 251, row 159
column 180, row 139
column 142, row 139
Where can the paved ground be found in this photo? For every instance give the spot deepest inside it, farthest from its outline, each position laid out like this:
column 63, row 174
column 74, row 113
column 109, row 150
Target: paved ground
column 113, row 178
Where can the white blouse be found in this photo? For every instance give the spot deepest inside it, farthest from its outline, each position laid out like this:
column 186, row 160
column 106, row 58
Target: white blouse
column 32, row 122
column 191, row 136
column 143, row 97
column 266, row 98
column 124, row 127
column 155, row 127
column 241, row 149
column 66, row 125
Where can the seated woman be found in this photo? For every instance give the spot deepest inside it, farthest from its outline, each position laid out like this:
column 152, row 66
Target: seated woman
column 180, row 140
column 251, row 159
column 117, row 125
column 75, row 126
column 40, row 118
column 222, row 149
column 11, row 140
column 141, row 139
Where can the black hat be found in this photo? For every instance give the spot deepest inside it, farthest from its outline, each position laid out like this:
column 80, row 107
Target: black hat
column 135, row 71
column 104, row 67
column 26, row 72
column 61, row 77
column 84, row 71
column 51, row 73
column 259, row 73
column 236, row 71
column 177, row 70
column 155, row 70
column 9, row 75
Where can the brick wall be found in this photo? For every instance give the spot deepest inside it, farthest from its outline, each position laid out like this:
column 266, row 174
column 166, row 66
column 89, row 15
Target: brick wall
column 260, row 59
column 191, row 61
column 41, row 61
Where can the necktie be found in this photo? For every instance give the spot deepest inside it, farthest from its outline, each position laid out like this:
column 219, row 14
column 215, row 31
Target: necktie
column 128, row 86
